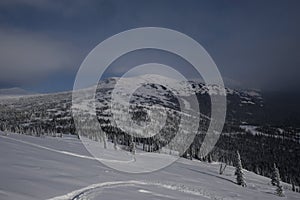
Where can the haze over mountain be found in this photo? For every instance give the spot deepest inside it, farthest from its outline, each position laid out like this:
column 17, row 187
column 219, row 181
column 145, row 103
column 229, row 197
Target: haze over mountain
column 15, row 91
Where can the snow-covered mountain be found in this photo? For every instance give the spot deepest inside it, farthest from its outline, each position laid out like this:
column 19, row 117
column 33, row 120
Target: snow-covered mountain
column 243, row 106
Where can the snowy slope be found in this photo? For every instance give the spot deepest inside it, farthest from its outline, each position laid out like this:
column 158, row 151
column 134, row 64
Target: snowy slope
column 33, row 168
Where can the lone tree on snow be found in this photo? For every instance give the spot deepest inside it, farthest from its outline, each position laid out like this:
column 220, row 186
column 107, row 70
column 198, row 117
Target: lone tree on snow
column 274, row 175
column 239, row 171
column 276, row 181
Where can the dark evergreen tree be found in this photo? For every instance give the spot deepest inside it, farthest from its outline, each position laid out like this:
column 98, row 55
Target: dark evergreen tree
column 293, row 187
column 209, row 158
column 256, row 170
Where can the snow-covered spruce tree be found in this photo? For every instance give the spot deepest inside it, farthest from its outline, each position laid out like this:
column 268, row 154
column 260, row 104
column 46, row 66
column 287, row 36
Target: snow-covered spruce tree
column 279, row 187
column 274, row 175
column 132, row 146
column 104, row 140
column 239, row 171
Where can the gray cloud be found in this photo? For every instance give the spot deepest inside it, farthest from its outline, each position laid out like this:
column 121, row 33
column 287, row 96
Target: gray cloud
column 254, row 43
column 26, row 56
column 39, row 4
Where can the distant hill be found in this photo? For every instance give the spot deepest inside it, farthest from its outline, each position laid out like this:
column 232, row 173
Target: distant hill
column 14, row 92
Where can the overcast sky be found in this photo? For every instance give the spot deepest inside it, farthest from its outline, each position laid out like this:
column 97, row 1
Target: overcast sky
column 255, row 44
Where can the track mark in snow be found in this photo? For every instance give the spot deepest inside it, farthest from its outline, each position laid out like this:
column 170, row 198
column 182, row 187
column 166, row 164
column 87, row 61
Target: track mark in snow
column 155, row 194
column 66, row 152
column 80, row 194
column 144, row 191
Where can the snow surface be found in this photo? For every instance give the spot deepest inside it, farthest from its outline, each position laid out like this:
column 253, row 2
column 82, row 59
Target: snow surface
column 125, row 161
column 33, row 168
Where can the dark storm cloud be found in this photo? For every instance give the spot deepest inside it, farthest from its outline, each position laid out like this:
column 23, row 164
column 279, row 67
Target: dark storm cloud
column 255, row 43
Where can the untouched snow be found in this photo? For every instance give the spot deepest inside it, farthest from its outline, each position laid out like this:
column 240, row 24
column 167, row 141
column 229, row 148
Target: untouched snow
column 34, row 168
column 125, row 161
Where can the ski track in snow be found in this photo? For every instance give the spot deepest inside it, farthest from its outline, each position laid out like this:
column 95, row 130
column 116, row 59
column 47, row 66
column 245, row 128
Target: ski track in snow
column 67, row 153
column 81, row 194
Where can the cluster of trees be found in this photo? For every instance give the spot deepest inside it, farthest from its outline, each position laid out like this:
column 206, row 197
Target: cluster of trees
column 258, row 152
column 54, row 127
column 240, row 176
column 39, row 115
